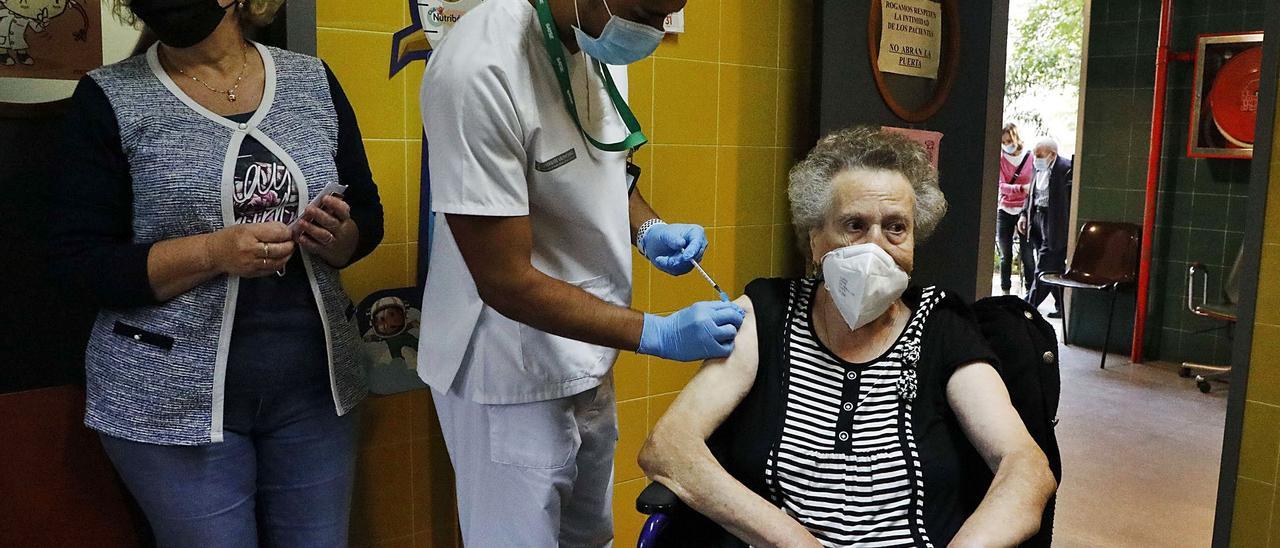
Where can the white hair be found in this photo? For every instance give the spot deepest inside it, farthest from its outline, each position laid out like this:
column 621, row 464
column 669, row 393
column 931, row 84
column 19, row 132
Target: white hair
column 810, row 190
column 1047, row 142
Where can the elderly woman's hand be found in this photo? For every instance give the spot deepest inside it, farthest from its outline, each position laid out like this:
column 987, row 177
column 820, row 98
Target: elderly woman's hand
column 326, row 229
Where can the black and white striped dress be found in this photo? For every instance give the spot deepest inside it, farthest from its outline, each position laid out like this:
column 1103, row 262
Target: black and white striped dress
column 847, row 465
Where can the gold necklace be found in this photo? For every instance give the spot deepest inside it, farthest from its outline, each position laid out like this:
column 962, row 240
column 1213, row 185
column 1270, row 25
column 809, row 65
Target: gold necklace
column 231, row 91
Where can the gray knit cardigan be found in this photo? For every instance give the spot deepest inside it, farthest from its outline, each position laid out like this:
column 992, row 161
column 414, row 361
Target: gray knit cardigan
column 156, row 374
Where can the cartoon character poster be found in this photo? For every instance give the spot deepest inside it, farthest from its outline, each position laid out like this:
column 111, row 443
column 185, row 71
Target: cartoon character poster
column 388, row 322
column 46, row 46
column 50, row 39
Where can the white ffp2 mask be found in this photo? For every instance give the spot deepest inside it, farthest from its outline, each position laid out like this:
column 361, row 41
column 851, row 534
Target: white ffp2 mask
column 863, row 281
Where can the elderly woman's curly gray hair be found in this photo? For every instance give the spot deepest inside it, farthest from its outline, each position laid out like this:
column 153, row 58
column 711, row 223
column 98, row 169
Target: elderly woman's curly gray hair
column 862, row 147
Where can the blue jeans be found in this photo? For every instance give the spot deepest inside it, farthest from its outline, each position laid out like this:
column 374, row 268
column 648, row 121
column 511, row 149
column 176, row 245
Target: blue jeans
column 281, row 476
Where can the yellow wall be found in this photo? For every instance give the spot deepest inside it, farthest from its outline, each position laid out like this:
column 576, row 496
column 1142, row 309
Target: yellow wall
column 1257, row 506
column 726, row 108
column 404, row 493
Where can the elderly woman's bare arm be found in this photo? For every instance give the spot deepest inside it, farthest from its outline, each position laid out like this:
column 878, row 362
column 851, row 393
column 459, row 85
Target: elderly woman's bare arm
column 1010, row 512
column 676, row 453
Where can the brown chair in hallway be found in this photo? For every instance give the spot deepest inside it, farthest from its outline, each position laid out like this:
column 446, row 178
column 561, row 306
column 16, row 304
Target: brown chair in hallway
column 1224, row 311
column 1105, row 259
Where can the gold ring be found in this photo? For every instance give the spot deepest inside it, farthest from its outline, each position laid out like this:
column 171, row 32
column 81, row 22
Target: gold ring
column 266, row 250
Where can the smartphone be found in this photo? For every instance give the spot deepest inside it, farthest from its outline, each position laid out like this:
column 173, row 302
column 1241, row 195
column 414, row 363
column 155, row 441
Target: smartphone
column 331, row 188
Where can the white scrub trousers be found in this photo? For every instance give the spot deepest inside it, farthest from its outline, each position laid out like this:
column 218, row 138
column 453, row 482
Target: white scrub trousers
column 533, row 474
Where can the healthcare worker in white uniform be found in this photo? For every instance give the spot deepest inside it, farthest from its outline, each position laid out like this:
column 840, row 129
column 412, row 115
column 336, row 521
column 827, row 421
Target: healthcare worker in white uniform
column 527, row 297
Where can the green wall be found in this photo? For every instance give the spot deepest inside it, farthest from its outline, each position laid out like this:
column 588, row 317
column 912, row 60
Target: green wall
column 1201, row 206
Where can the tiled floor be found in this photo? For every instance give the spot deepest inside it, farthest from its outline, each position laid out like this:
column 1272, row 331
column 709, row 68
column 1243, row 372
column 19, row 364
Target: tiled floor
column 1140, row 451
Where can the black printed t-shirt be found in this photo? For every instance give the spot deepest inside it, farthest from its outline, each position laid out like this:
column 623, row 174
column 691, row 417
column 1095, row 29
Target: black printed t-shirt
column 277, row 341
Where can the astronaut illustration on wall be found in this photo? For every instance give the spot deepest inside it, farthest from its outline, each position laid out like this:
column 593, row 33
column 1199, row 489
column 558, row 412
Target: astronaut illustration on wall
column 389, row 321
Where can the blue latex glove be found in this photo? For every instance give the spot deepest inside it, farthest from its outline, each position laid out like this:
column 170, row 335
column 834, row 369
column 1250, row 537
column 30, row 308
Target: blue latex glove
column 672, row 248
column 703, row 330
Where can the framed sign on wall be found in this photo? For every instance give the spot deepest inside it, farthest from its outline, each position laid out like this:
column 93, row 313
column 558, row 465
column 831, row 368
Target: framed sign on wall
column 914, row 50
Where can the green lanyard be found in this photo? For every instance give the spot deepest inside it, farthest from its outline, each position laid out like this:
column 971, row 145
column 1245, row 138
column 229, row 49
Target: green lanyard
column 551, row 38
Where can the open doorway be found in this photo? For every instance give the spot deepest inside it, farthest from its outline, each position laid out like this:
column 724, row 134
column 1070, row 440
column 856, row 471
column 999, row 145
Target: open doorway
column 1042, row 89
column 1082, row 72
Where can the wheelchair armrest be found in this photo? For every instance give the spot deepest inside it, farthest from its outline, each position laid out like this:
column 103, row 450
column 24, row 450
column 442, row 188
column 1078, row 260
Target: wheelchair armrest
column 656, row 498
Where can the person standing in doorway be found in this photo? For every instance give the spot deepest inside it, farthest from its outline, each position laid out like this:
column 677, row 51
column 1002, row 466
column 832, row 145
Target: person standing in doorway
column 1044, row 223
column 1015, row 183
column 526, row 301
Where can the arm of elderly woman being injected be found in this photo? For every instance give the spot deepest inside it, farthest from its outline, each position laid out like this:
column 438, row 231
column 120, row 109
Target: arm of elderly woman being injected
column 676, row 453
column 1011, row 510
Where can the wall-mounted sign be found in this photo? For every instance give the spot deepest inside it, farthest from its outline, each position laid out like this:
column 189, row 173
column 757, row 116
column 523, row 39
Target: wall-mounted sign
column 910, row 37
column 674, row 23
column 930, row 140
column 912, row 30
column 1224, row 101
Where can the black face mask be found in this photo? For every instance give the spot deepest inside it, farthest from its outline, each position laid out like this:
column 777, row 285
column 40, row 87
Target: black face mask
column 180, row 23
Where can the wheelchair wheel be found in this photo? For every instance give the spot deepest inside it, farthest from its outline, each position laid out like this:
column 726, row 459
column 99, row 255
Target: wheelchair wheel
column 1203, row 385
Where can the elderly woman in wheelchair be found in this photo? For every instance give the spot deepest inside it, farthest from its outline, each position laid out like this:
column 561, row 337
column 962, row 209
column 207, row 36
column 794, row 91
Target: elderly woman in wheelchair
column 854, row 409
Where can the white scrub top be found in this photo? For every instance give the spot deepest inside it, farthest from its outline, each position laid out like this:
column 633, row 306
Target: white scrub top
column 502, row 144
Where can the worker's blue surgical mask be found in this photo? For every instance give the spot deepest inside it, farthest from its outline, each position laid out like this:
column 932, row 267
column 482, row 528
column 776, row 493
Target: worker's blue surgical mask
column 1041, row 164
column 622, row 41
